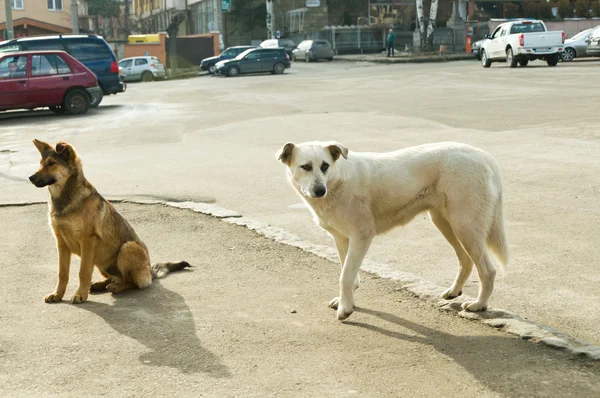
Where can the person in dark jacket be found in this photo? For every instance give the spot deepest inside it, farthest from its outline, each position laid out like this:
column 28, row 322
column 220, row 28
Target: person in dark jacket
column 391, row 38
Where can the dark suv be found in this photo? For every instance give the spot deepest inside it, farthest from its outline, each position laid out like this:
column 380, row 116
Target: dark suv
column 90, row 50
column 255, row 60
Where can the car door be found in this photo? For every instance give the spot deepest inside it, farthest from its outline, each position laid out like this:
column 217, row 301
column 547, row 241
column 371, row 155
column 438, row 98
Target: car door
column 14, row 82
column 496, row 43
column 139, row 66
column 50, row 78
column 251, row 63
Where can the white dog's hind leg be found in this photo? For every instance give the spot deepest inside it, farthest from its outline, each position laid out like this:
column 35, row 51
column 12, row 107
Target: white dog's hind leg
column 475, row 247
column 465, row 265
column 356, row 253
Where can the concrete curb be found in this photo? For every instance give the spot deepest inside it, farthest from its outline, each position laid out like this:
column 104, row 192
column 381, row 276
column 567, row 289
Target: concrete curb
column 405, row 59
column 419, row 287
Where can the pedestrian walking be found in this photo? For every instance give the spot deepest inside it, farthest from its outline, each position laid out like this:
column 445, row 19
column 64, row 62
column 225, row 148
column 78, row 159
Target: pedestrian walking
column 391, row 38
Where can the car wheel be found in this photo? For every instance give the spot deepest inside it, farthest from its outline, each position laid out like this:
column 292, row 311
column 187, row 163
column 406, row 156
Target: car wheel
column 279, row 68
column 147, row 76
column 485, row 61
column 59, row 110
column 553, row 60
column 95, row 104
column 568, row 54
column 511, row 61
column 307, row 57
column 76, row 102
column 294, row 57
column 233, row 71
column 523, row 62
column 330, row 59
column 211, row 69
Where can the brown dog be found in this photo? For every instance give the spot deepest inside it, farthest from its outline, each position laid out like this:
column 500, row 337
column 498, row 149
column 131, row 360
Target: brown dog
column 87, row 225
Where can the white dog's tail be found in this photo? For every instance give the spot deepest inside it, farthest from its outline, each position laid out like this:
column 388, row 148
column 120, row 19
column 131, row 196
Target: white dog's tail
column 496, row 239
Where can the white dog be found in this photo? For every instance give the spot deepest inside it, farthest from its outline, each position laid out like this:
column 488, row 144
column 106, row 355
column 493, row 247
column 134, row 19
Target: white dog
column 355, row 196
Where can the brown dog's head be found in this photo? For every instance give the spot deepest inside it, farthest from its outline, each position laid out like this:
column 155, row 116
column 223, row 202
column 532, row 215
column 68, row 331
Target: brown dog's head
column 57, row 164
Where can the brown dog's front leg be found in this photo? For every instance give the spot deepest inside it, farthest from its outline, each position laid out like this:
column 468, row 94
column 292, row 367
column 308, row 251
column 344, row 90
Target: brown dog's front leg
column 88, row 250
column 64, row 264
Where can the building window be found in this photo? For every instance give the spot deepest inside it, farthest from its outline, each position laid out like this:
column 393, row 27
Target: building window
column 18, row 4
column 55, row 5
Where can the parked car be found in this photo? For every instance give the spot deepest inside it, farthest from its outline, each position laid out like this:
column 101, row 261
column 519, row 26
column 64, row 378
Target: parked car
column 313, row 50
column 519, row 42
column 255, row 60
column 91, row 50
column 145, row 68
column 576, row 46
column 276, row 43
column 208, row 64
column 593, row 48
column 54, row 79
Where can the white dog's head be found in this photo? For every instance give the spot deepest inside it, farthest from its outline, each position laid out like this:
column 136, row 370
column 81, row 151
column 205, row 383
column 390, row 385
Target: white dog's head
column 311, row 165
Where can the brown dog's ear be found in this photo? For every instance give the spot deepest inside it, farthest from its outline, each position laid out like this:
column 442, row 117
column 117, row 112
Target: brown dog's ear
column 66, row 151
column 336, row 149
column 41, row 146
column 284, row 155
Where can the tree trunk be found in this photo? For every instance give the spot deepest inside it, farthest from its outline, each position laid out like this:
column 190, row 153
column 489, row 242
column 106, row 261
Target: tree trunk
column 421, row 23
column 431, row 26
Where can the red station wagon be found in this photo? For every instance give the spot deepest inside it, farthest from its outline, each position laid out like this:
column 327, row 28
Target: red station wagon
column 54, row 79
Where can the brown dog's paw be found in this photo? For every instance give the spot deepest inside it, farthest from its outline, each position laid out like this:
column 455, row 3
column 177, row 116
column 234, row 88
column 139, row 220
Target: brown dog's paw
column 99, row 286
column 116, row 288
column 78, row 298
column 53, row 298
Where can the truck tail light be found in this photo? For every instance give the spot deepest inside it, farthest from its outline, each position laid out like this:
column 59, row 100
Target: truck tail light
column 114, row 67
column 563, row 37
column 521, row 40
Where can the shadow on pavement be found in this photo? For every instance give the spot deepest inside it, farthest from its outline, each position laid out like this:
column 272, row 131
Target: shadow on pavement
column 160, row 319
column 500, row 363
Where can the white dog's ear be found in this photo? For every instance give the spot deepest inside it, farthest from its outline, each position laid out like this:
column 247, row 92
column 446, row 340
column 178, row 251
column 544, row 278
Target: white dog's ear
column 284, row 155
column 336, row 149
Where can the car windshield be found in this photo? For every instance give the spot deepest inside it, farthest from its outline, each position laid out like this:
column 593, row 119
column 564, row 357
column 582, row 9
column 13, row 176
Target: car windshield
column 228, row 53
column 242, row 55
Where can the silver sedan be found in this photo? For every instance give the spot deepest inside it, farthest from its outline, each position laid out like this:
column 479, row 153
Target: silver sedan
column 576, row 46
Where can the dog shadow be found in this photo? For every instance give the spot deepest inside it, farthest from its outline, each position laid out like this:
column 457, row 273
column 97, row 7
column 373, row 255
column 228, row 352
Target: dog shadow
column 160, row 319
column 492, row 360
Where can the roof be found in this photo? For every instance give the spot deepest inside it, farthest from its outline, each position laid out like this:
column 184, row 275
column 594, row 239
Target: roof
column 37, row 24
column 46, row 37
column 17, row 53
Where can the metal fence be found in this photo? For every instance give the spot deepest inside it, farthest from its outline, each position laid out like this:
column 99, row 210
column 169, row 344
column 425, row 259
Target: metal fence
column 363, row 40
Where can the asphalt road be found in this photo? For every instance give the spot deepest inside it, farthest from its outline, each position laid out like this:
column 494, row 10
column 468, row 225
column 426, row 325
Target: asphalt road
column 214, row 139
column 250, row 319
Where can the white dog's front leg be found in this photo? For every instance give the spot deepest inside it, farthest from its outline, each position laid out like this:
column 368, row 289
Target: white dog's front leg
column 356, row 253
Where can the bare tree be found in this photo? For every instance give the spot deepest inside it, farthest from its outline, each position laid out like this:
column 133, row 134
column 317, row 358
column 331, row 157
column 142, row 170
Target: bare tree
column 427, row 36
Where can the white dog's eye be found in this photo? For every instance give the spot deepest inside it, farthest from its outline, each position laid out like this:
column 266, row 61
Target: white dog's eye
column 324, row 167
column 306, row 167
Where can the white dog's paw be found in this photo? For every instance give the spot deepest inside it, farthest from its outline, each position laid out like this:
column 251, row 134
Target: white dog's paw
column 344, row 312
column 451, row 294
column 334, row 303
column 473, row 306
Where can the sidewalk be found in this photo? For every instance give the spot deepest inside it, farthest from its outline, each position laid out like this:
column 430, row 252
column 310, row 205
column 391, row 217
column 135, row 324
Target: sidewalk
column 402, row 57
column 250, row 319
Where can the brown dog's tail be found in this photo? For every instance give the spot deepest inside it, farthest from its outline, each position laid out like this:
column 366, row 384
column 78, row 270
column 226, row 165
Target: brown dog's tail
column 161, row 269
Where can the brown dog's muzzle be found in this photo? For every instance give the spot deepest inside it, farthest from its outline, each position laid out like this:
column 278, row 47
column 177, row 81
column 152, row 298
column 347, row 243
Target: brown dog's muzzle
column 40, row 181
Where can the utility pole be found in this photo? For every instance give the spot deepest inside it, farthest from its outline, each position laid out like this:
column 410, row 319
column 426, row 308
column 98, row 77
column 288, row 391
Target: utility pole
column 270, row 27
column 74, row 17
column 10, row 34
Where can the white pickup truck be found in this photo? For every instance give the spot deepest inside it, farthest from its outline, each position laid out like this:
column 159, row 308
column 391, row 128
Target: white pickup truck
column 519, row 42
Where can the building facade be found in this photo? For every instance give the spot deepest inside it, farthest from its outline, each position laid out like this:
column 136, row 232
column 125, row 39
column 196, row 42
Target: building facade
column 38, row 17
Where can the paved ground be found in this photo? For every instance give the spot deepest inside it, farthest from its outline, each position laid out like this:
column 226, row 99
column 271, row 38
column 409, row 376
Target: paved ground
column 215, row 138
column 250, row 319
